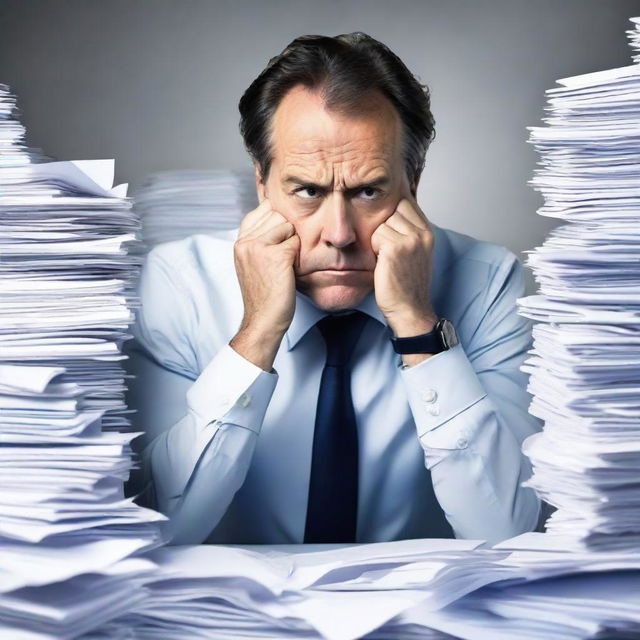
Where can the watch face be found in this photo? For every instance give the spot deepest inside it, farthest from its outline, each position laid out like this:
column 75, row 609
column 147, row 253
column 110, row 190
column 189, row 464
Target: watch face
column 449, row 334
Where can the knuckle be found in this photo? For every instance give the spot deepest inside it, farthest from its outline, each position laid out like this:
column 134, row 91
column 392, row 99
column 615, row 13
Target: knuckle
column 242, row 246
column 411, row 243
column 428, row 239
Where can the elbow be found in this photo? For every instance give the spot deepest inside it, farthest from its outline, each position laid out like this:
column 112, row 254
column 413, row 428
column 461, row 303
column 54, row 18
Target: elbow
column 527, row 505
column 527, row 511
column 183, row 530
column 523, row 516
column 206, row 497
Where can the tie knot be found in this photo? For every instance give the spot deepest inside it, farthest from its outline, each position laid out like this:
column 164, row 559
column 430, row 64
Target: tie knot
column 341, row 333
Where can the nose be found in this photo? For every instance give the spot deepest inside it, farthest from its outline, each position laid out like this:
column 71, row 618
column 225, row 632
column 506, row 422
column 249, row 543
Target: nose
column 337, row 224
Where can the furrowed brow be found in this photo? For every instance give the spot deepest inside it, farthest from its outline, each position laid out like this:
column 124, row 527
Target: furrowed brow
column 380, row 181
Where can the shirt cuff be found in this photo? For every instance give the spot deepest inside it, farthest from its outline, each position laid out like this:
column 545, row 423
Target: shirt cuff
column 439, row 388
column 231, row 389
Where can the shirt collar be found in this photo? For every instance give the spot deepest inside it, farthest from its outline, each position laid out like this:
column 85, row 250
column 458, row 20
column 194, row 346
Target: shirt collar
column 306, row 313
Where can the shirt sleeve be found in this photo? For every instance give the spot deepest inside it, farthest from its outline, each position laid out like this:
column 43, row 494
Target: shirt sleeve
column 193, row 464
column 470, row 407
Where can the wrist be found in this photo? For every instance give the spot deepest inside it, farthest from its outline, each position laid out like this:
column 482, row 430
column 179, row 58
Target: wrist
column 257, row 345
column 442, row 338
column 412, row 323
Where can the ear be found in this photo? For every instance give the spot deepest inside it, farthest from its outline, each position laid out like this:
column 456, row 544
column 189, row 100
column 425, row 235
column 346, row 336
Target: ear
column 260, row 188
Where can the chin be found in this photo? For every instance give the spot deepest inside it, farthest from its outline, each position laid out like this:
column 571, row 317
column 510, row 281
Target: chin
column 337, row 297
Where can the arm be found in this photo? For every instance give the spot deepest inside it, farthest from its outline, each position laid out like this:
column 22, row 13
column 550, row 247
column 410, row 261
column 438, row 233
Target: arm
column 196, row 465
column 470, row 408
column 201, row 429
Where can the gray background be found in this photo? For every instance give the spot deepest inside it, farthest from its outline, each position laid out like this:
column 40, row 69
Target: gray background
column 155, row 84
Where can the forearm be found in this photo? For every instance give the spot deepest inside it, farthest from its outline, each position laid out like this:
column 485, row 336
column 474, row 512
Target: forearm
column 475, row 459
column 196, row 466
column 212, row 480
column 478, row 483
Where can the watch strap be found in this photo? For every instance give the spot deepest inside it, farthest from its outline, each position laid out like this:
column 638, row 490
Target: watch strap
column 441, row 338
column 426, row 343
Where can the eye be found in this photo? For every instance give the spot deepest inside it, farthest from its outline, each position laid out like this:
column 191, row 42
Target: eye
column 312, row 189
column 371, row 192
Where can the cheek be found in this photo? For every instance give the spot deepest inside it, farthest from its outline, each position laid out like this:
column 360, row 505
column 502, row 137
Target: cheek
column 370, row 226
column 309, row 227
column 307, row 232
column 281, row 202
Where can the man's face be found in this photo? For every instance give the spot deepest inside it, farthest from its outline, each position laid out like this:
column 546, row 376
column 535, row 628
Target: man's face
column 335, row 178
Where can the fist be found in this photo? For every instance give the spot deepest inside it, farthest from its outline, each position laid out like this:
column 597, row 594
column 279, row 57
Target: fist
column 404, row 246
column 265, row 253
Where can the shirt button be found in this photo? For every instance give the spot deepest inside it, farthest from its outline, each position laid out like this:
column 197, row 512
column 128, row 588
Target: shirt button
column 244, row 400
column 429, row 395
column 434, row 410
column 462, row 442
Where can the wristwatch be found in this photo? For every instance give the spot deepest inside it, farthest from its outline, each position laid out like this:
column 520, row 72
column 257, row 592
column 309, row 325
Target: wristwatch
column 442, row 337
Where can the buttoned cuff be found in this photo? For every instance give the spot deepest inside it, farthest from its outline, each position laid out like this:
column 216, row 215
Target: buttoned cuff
column 231, row 389
column 439, row 389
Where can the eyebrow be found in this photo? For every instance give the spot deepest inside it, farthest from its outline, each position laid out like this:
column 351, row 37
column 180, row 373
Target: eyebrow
column 376, row 182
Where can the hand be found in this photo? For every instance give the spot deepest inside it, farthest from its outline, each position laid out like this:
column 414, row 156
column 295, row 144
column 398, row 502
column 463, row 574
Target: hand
column 404, row 246
column 265, row 252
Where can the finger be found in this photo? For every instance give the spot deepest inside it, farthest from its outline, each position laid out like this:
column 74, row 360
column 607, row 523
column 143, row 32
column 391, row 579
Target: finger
column 292, row 245
column 389, row 233
column 412, row 212
column 383, row 234
column 294, row 242
column 400, row 223
column 254, row 216
column 268, row 221
column 279, row 232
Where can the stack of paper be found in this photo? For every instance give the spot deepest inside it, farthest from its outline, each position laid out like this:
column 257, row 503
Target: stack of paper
column 177, row 204
column 634, row 38
column 569, row 607
column 532, row 586
column 585, row 361
column 559, row 594
column 13, row 150
column 67, row 533
column 212, row 591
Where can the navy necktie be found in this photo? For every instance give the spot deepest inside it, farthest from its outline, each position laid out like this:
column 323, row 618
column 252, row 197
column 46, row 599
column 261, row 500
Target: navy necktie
column 333, row 488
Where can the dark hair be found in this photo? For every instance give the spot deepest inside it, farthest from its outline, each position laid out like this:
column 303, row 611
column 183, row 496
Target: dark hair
column 346, row 68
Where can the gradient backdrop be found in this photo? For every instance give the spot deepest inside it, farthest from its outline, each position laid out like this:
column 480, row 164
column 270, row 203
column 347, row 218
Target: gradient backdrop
column 155, row 84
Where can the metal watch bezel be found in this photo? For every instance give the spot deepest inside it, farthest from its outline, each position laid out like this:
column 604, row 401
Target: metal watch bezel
column 447, row 333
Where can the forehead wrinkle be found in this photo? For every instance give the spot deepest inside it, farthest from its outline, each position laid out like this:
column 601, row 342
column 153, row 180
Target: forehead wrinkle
column 328, row 174
column 318, row 144
column 321, row 165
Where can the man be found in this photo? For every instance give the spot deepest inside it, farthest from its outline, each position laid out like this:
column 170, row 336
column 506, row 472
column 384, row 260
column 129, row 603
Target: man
column 339, row 368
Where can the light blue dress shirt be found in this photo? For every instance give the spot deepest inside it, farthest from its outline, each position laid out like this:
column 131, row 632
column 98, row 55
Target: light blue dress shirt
column 227, row 448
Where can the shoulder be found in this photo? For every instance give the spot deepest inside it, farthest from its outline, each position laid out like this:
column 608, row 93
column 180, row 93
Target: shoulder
column 466, row 252
column 476, row 284
column 195, row 254
column 196, row 269
column 188, row 299
column 476, row 266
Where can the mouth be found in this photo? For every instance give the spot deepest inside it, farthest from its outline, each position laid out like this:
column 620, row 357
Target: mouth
column 337, row 272
column 341, row 272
